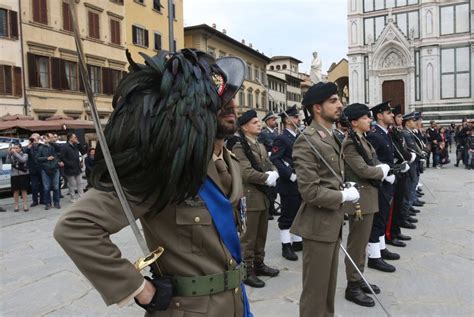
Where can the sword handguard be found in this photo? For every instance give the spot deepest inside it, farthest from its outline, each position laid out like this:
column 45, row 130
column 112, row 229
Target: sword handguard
column 151, row 258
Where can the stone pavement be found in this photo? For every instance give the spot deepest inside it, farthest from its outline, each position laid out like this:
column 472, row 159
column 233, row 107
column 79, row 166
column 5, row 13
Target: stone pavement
column 435, row 276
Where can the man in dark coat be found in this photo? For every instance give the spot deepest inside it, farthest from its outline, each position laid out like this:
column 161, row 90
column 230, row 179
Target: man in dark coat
column 48, row 158
column 287, row 187
column 35, row 170
column 380, row 140
column 72, row 165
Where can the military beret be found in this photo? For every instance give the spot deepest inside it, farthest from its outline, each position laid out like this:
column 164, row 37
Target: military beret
column 269, row 115
column 409, row 116
column 418, row 115
column 291, row 112
column 397, row 110
column 381, row 107
column 229, row 84
column 355, row 111
column 319, row 93
column 246, row 117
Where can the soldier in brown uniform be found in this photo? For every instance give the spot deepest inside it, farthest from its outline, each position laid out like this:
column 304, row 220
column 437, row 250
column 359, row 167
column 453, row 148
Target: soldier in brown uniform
column 363, row 168
column 320, row 217
column 204, row 274
column 258, row 175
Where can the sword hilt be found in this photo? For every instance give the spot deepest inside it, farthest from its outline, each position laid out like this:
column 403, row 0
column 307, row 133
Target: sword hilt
column 151, row 258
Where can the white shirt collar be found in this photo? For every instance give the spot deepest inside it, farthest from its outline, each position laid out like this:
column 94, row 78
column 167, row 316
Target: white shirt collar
column 270, row 129
column 384, row 130
column 293, row 133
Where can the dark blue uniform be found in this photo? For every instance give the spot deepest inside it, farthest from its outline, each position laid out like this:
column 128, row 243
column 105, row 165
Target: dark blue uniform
column 267, row 138
column 281, row 157
column 383, row 146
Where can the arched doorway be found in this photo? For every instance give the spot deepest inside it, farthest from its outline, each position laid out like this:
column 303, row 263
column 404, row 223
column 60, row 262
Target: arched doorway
column 394, row 90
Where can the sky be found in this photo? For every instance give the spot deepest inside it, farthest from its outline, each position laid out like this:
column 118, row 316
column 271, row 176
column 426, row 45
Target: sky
column 279, row 27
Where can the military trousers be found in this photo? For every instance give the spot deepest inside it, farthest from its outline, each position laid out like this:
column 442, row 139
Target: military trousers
column 398, row 212
column 254, row 239
column 320, row 260
column 357, row 239
column 385, row 194
column 289, row 208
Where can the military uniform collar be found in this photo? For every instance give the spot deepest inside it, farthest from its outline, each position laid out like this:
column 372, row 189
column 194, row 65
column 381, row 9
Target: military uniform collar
column 382, row 128
column 321, row 130
column 270, row 129
column 293, row 133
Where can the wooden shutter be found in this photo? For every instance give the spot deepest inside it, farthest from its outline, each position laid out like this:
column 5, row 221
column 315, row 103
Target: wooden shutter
column 2, row 79
column 146, row 37
column 44, row 11
column 63, row 79
column 32, row 70
column 134, row 34
column 8, row 79
column 93, row 24
column 18, row 88
column 115, row 31
column 13, row 24
column 157, row 42
column 36, row 11
column 67, row 21
column 56, row 73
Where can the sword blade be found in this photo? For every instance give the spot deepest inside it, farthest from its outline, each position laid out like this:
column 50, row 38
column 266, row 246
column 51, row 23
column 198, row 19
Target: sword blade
column 100, row 133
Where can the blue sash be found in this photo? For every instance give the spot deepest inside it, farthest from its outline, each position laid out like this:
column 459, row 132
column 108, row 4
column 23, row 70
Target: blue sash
column 222, row 214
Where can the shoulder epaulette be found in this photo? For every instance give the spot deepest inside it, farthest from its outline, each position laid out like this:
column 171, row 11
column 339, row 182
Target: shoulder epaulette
column 309, row 131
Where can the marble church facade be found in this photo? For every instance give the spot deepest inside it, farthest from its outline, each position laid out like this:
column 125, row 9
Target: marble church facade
column 418, row 53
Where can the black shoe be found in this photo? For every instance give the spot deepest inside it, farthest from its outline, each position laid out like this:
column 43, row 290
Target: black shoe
column 387, row 255
column 2, row 209
column 287, row 252
column 34, row 204
column 419, row 195
column 270, row 217
column 297, row 246
column 403, row 237
column 457, row 164
column 407, row 225
column 355, row 294
column 396, row 243
column 47, row 207
column 57, row 206
column 412, row 220
column 253, row 281
column 263, row 270
column 412, row 209
column 411, row 214
column 417, row 204
column 381, row 265
column 420, row 201
column 365, row 289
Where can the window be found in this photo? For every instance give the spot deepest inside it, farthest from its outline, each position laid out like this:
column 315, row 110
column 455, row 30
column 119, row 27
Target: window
column 93, row 24
column 366, row 79
column 211, row 51
column 374, row 5
column 117, row 1
column 241, row 98
column 116, row 76
column 373, row 27
column 40, row 11
column 250, row 99
column 67, row 21
column 408, row 22
column 140, row 1
column 95, row 79
column 454, row 19
column 8, row 24
column 262, row 77
column 455, row 72
column 10, row 81
column 70, row 69
column 42, row 65
column 114, row 32
column 263, row 101
column 257, row 97
column 157, row 41
column 174, row 11
column 157, row 5
column 249, row 72
column 139, row 36
column 257, row 73
column 417, row 76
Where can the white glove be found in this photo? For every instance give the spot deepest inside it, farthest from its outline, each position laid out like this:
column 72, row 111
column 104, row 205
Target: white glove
column 390, row 179
column 413, row 157
column 272, row 178
column 293, row 177
column 350, row 194
column 406, row 169
column 385, row 169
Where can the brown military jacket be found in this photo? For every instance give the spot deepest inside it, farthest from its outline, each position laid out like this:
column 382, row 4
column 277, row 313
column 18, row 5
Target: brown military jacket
column 191, row 242
column 359, row 172
column 256, row 200
column 320, row 216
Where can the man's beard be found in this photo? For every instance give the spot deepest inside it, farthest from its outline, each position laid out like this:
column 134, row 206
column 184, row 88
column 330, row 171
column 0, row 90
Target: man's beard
column 224, row 128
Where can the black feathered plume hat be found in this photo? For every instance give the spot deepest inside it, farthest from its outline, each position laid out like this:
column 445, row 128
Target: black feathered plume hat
column 162, row 129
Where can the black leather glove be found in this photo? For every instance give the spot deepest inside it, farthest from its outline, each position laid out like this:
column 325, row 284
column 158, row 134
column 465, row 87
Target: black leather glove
column 163, row 294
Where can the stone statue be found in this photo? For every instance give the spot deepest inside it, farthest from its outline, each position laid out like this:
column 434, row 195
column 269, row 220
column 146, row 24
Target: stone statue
column 315, row 72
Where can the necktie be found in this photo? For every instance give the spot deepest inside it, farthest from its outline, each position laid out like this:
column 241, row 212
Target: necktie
column 224, row 176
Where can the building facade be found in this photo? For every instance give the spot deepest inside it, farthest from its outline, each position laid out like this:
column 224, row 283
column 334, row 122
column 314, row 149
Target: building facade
column 53, row 83
column 418, row 53
column 276, row 84
column 147, row 30
column 252, row 95
column 338, row 73
column 288, row 66
column 12, row 99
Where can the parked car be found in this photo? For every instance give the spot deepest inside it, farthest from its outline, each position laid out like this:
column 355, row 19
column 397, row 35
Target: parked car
column 5, row 177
